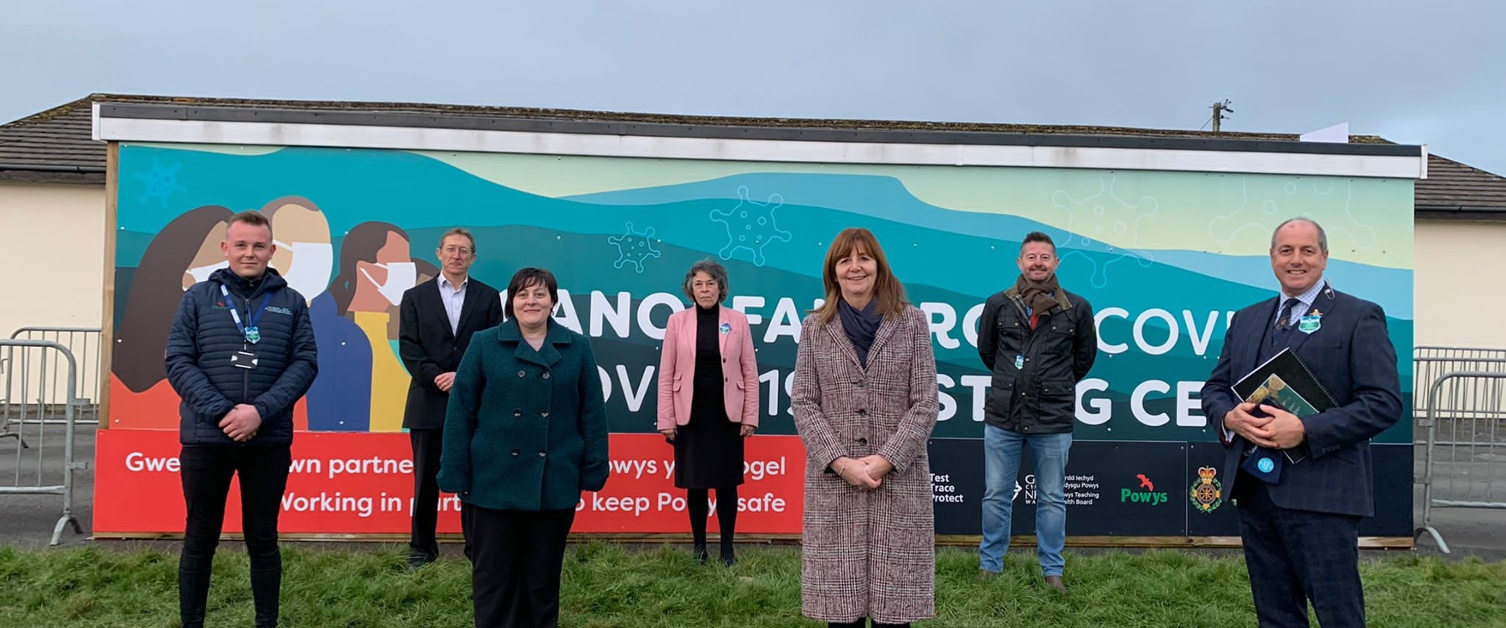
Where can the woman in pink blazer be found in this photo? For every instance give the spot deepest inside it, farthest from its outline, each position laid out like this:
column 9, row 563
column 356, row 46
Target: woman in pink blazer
column 708, row 400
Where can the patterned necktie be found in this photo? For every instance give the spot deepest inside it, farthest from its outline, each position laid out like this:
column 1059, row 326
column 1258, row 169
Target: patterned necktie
column 1284, row 320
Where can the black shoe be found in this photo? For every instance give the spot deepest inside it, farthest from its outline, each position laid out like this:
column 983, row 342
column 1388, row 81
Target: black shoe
column 419, row 558
column 727, row 558
column 700, row 553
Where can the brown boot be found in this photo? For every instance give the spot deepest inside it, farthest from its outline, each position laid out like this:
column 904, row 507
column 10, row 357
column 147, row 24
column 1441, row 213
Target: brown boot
column 1055, row 582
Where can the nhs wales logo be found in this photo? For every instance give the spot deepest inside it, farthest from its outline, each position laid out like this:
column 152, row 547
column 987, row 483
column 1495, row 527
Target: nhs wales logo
column 1028, row 490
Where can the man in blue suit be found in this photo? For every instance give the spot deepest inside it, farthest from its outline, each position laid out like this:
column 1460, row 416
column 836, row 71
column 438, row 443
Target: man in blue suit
column 1299, row 517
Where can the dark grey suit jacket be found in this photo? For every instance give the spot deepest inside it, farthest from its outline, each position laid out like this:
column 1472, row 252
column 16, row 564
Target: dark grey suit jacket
column 428, row 347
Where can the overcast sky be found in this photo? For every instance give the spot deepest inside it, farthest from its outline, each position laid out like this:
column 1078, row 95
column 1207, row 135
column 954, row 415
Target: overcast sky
column 1414, row 72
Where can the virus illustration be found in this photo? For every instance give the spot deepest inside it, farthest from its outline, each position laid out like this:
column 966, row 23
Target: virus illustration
column 1254, row 208
column 1103, row 219
column 634, row 248
column 750, row 225
column 161, row 182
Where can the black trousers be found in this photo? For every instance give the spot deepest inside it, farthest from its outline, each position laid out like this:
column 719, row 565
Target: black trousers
column 426, row 450
column 1297, row 556
column 206, row 473
column 515, row 571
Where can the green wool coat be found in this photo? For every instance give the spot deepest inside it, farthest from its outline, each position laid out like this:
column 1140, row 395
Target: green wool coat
column 525, row 429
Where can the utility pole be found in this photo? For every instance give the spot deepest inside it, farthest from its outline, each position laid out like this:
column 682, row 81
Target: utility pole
column 1219, row 109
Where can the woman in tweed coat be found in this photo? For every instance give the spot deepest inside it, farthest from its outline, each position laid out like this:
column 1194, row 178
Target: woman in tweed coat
column 864, row 402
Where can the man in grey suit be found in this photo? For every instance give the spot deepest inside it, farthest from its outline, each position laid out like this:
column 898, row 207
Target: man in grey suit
column 1302, row 483
column 438, row 318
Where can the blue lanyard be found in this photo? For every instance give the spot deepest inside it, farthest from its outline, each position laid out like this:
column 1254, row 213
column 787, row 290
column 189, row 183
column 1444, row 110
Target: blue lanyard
column 249, row 331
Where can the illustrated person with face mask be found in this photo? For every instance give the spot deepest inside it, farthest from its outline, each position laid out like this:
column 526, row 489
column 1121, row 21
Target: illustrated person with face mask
column 185, row 252
column 375, row 270
column 305, row 258
column 439, row 317
column 1038, row 341
column 304, row 255
column 708, row 401
column 240, row 353
column 525, row 433
column 340, row 399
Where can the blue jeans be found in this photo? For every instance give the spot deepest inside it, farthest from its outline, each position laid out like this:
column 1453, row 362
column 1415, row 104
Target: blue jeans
column 1001, row 466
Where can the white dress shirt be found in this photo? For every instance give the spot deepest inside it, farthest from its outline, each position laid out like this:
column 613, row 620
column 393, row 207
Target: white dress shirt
column 454, row 300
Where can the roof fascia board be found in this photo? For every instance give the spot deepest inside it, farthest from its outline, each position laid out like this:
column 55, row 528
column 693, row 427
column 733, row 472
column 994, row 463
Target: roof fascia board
column 252, row 126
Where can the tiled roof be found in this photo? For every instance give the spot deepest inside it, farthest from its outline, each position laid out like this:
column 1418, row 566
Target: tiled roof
column 1455, row 190
column 56, row 144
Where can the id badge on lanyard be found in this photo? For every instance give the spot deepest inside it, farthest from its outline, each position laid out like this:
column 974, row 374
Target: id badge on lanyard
column 249, row 331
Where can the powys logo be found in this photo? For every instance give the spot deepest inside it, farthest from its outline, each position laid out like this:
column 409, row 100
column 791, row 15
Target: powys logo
column 1143, row 493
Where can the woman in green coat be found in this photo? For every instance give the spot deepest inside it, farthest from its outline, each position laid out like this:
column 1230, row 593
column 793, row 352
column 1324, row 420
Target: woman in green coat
column 524, row 434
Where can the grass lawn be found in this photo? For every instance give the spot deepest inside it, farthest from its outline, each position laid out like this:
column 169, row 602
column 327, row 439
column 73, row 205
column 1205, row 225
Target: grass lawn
column 612, row 586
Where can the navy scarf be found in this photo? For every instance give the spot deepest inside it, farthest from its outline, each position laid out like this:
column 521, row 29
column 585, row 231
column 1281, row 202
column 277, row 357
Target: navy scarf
column 861, row 326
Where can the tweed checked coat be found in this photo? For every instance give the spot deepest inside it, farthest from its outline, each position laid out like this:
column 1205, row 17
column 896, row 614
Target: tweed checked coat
column 867, row 553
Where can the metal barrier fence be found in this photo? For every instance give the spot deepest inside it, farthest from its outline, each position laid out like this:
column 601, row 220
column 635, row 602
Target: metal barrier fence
column 40, row 464
column 84, row 344
column 1459, row 406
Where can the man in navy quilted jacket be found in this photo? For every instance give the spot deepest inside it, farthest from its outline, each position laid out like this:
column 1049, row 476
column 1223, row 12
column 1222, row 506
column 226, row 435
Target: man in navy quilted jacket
column 240, row 353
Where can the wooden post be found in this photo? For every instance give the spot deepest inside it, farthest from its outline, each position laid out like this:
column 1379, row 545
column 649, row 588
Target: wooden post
column 107, row 325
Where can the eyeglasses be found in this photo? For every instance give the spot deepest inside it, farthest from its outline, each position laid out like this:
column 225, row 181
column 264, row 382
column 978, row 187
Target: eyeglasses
column 453, row 250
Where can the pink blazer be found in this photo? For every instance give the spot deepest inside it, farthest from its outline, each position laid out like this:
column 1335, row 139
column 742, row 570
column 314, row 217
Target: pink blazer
column 677, row 368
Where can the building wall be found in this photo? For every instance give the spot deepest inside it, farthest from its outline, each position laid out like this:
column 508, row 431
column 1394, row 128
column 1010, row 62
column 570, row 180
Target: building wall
column 53, row 249
column 1458, row 293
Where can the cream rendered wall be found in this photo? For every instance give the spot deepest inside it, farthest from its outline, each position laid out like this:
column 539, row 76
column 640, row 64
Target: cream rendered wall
column 1458, row 292
column 52, row 251
column 52, row 238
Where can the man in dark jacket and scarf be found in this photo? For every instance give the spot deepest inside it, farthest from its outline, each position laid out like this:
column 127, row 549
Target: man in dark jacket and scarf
column 1038, row 341
column 240, row 353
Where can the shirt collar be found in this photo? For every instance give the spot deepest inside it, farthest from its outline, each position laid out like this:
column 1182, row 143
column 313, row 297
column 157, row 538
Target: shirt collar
column 1309, row 297
column 444, row 282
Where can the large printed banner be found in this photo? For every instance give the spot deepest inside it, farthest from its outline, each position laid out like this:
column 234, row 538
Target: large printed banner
column 1164, row 258
column 363, row 484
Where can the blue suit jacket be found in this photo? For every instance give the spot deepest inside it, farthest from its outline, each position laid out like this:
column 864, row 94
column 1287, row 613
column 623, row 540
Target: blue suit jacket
column 1352, row 356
